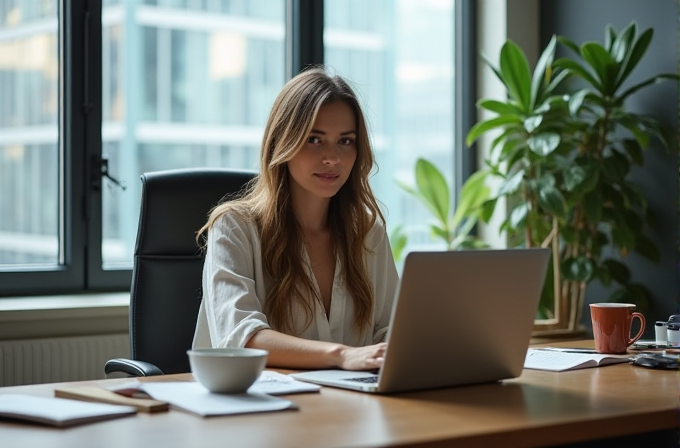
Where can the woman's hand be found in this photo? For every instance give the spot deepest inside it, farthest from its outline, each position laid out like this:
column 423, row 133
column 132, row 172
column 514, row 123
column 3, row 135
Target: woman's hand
column 290, row 352
column 363, row 358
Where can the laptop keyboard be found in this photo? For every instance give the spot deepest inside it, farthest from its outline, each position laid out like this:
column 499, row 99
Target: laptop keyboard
column 367, row 380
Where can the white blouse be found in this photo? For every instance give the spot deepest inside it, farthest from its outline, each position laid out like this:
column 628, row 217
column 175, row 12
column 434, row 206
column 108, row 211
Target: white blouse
column 235, row 291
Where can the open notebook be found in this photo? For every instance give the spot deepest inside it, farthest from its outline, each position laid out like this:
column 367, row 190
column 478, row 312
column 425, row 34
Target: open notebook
column 460, row 317
column 558, row 360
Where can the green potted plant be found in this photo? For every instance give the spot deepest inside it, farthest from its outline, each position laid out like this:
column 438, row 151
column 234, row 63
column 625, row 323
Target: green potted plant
column 564, row 148
column 452, row 227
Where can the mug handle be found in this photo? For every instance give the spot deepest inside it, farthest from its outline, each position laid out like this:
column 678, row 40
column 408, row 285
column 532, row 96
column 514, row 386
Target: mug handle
column 642, row 327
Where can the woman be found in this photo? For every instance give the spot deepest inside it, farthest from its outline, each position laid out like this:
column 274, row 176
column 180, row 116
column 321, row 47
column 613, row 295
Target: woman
column 301, row 266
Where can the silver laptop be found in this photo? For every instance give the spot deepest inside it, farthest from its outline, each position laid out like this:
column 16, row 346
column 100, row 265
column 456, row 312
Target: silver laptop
column 460, row 317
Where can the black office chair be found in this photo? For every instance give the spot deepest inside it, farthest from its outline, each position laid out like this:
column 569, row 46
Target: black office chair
column 166, row 278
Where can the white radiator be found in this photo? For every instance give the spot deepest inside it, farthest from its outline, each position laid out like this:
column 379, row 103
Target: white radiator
column 79, row 358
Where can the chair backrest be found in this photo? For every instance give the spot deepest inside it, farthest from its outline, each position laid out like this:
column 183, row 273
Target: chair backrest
column 166, row 278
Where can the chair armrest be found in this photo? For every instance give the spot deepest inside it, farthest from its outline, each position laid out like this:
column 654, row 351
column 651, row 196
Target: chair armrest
column 131, row 367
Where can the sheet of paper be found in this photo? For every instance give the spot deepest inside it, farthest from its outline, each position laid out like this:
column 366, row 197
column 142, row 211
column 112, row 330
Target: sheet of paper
column 275, row 383
column 193, row 397
column 58, row 411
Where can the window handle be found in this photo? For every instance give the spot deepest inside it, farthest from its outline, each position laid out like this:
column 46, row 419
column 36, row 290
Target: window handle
column 102, row 167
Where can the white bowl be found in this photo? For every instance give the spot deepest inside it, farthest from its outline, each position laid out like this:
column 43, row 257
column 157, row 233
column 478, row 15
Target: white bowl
column 227, row 370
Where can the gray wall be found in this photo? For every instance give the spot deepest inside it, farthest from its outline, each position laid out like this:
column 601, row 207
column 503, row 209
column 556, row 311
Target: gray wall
column 585, row 20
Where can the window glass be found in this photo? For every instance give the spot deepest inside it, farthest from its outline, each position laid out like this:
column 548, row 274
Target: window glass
column 186, row 84
column 400, row 56
column 29, row 149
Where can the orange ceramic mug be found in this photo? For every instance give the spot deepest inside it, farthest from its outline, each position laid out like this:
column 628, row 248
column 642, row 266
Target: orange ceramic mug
column 612, row 324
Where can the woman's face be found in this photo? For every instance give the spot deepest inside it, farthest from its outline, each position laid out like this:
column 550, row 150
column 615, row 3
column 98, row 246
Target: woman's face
column 324, row 162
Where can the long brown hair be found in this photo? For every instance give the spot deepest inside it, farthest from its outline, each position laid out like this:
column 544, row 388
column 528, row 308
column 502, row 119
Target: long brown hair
column 352, row 214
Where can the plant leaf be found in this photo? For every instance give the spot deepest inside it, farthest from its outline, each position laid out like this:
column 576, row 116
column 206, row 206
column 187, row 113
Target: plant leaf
column 580, row 269
column 441, row 233
column 650, row 81
column 472, row 195
column 514, row 69
column 574, row 68
column 503, row 139
column 484, row 126
column 621, row 44
column 552, row 200
column 398, row 240
column 632, row 125
column 542, row 73
column 487, row 209
column 634, row 56
column 574, row 175
column 519, row 215
column 556, row 81
column 499, row 107
column 544, row 144
column 531, row 123
column 569, row 44
column 634, row 150
column 592, row 177
column 511, row 184
column 604, row 66
column 433, row 189
column 511, row 148
column 576, row 101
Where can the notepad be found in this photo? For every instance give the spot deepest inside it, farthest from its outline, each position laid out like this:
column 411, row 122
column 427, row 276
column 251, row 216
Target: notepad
column 558, row 361
column 194, row 398
column 58, row 411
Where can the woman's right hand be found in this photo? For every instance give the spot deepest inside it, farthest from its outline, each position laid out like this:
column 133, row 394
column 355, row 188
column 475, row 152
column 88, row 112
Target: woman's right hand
column 362, row 358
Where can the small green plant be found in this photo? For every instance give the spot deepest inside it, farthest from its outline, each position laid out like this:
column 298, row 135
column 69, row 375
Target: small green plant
column 433, row 191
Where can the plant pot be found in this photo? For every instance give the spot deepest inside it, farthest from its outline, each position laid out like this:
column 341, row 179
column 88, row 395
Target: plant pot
column 568, row 312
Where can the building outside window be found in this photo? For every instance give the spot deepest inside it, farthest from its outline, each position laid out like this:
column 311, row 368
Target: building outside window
column 190, row 83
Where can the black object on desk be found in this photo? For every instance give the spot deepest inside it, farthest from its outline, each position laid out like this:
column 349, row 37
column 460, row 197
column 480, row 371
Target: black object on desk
column 656, row 361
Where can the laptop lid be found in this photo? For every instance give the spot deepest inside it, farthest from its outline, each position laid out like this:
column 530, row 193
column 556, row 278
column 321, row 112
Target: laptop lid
column 460, row 317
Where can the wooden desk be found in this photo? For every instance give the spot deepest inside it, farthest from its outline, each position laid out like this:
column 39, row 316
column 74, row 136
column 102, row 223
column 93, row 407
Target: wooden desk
column 536, row 409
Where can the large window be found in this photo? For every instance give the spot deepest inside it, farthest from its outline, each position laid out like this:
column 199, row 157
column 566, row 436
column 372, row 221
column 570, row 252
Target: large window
column 400, row 55
column 95, row 93
column 185, row 84
column 29, row 155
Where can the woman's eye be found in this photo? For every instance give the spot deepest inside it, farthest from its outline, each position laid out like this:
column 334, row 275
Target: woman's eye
column 314, row 140
column 347, row 141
